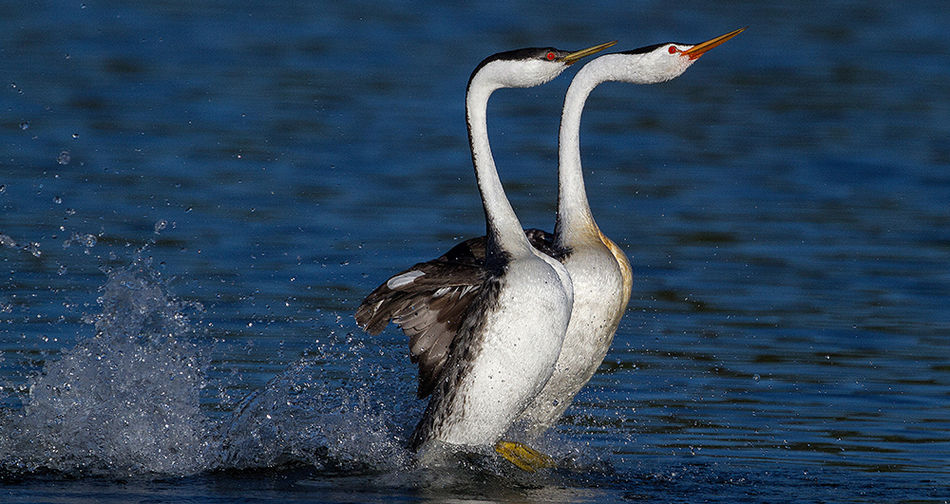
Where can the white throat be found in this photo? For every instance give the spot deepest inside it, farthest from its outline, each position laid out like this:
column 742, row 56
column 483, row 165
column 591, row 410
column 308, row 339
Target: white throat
column 503, row 227
column 574, row 218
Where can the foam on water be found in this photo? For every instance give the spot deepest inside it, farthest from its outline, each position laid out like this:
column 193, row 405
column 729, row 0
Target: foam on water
column 126, row 402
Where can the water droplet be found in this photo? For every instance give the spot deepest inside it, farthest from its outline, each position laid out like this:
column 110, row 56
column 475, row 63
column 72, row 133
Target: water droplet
column 34, row 249
column 75, row 136
column 63, row 158
column 62, row 270
column 25, row 125
column 160, row 226
column 3, row 188
column 58, row 200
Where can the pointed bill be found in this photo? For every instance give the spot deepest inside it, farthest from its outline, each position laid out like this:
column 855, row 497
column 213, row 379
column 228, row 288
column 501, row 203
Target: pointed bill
column 699, row 49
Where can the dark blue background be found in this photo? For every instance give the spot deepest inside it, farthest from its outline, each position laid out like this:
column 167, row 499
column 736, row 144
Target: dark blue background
column 784, row 204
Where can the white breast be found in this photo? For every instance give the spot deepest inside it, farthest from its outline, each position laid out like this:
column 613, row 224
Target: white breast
column 520, row 343
column 599, row 303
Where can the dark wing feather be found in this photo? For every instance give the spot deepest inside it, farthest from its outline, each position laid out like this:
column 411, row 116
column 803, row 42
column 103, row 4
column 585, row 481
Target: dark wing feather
column 430, row 300
column 544, row 242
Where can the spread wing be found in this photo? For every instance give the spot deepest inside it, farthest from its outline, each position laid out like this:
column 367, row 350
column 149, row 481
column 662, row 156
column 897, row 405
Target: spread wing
column 430, row 300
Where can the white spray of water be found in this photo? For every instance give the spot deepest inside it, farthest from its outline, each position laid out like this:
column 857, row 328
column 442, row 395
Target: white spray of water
column 301, row 417
column 126, row 402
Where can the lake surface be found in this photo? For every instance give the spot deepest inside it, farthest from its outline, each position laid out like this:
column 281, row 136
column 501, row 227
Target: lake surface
column 194, row 197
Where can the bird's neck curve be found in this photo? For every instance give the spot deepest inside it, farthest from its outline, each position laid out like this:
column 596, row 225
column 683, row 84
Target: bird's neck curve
column 574, row 219
column 504, row 232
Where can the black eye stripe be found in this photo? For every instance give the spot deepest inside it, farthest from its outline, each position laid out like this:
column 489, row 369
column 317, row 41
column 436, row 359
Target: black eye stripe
column 527, row 53
column 649, row 48
column 520, row 54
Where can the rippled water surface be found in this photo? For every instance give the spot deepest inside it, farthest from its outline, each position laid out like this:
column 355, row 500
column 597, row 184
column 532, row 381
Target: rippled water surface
column 194, row 196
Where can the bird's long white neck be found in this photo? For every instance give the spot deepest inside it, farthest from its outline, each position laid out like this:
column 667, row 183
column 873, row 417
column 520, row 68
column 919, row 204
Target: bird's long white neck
column 574, row 218
column 575, row 222
column 503, row 227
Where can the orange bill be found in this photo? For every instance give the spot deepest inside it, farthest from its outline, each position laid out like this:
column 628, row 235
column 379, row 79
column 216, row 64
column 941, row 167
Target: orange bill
column 699, row 49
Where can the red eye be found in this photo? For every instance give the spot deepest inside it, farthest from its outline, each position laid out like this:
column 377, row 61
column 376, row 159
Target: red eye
column 673, row 49
column 550, row 55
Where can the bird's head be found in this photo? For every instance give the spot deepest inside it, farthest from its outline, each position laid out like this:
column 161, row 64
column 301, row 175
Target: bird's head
column 662, row 62
column 529, row 67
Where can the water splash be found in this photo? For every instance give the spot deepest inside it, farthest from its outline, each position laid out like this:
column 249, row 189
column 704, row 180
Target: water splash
column 33, row 248
column 302, row 417
column 86, row 240
column 124, row 401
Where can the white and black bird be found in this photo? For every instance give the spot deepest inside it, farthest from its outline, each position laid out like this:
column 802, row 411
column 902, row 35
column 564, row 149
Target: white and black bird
column 600, row 272
column 487, row 333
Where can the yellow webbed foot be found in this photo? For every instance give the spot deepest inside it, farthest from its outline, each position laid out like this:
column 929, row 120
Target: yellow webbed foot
column 526, row 458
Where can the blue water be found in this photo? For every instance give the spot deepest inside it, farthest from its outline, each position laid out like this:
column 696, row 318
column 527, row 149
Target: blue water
column 194, row 196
